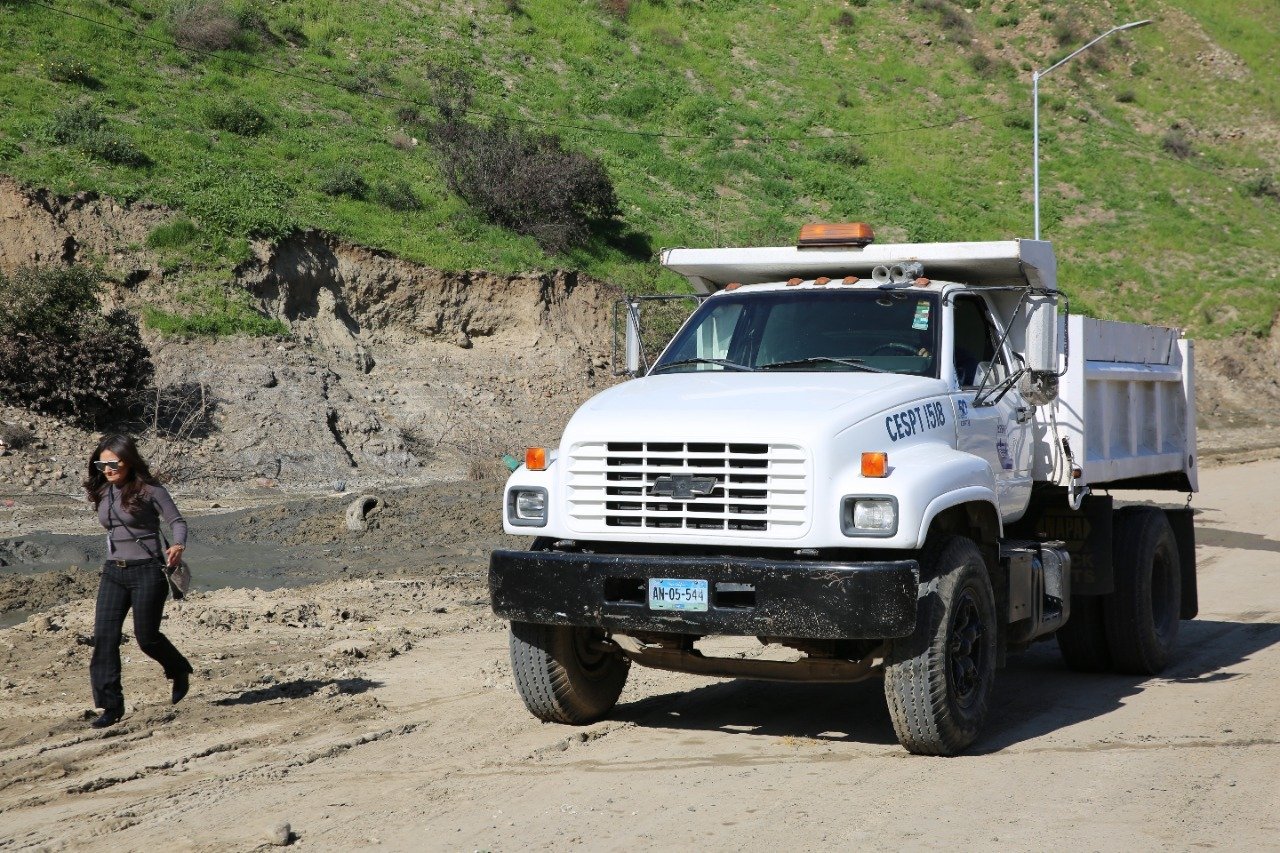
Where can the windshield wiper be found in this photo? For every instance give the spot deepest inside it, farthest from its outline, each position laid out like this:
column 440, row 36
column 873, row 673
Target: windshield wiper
column 721, row 362
column 855, row 363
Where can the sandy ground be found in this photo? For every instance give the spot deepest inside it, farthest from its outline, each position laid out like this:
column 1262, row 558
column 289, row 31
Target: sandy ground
column 380, row 710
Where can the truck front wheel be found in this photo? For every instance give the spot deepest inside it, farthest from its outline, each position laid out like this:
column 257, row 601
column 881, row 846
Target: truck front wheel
column 938, row 681
column 566, row 674
column 1141, row 616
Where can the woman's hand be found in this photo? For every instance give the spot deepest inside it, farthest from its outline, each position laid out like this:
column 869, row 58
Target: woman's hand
column 174, row 555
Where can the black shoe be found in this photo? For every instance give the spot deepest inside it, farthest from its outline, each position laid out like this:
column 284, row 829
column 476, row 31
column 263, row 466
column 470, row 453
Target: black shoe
column 181, row 684
column 109, row 717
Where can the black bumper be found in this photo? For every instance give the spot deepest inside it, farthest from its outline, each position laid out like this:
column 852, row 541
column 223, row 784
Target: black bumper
column 817, row 600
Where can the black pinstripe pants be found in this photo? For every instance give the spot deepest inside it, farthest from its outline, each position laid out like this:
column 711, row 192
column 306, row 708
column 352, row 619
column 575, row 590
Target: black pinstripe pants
column 143, row 588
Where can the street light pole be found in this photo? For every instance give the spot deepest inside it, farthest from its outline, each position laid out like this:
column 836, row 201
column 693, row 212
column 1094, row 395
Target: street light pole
column 1035, row 109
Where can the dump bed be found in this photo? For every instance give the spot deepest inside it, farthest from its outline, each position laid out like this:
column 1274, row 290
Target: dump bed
column 1126, row 407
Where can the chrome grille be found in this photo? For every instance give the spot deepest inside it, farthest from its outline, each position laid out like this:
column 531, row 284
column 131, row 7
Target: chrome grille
column 762, row 488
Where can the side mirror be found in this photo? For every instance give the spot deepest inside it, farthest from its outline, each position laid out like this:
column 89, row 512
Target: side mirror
column 1042, row 334
column 627, row 311
column 1040, row 384
column 633, row 338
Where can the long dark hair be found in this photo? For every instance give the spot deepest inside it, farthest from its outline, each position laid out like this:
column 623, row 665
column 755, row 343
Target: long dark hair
column 140, row 476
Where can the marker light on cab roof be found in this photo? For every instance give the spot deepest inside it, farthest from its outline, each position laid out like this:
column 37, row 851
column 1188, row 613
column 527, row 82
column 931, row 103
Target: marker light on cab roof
column 855, row 234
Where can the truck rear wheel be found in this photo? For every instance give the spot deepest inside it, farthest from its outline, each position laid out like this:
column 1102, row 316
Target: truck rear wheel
column 1083, row 640
column 1141, row 616
column 938, row 681
column 564, row 674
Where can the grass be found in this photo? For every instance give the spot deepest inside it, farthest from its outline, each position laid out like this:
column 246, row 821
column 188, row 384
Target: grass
column 212, row 311
column 1141, row 233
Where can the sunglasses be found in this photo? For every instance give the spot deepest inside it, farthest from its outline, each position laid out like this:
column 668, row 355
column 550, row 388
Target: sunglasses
column 114, row 465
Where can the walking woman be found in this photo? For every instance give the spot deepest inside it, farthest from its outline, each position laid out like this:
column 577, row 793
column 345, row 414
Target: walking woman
column 130, row 504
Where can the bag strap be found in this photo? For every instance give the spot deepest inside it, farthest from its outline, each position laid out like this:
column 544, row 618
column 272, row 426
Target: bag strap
column 157, row 535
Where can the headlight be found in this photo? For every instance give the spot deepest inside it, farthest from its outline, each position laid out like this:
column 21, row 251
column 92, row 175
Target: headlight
column 527, row 507
column 869, row 516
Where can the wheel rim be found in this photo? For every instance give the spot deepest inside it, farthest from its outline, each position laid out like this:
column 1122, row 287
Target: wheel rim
column 966, row 649
column 593, row 658
column 1165, row 578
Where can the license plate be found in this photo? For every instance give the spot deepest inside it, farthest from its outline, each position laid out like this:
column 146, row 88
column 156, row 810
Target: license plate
column 677, row 594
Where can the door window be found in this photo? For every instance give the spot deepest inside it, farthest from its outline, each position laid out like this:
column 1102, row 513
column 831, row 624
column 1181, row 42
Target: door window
column 975, row 355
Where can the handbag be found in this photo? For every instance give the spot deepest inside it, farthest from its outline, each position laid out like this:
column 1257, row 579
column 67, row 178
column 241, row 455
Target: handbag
column 179, row 579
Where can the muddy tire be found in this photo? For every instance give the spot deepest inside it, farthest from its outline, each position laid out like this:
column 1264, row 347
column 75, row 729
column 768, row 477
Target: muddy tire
column 1141, row 616
column 563, row 674
column 1083, row 640
column 938, row 681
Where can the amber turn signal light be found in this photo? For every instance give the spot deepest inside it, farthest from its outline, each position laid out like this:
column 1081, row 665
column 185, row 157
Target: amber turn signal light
column 875, row 464
column 857, row 234
column 535, row 458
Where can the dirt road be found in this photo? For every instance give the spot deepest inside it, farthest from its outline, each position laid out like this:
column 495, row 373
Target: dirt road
column 381, row 711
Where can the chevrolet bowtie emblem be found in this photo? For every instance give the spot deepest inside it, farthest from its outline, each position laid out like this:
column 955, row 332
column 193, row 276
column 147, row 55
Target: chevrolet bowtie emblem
column 683, row 486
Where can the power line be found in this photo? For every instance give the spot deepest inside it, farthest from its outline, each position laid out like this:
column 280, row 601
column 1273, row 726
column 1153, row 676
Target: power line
column 596, row 128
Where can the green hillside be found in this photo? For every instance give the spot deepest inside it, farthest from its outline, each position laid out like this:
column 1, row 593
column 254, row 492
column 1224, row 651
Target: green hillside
column 720, row 122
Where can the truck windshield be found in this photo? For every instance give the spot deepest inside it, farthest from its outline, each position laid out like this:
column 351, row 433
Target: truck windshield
column 873, row 331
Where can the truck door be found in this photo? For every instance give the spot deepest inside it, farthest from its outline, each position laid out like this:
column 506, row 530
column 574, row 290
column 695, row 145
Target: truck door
column 999, row 431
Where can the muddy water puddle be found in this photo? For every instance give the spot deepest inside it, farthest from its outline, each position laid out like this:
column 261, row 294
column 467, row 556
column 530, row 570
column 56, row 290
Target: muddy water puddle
column 257, row 565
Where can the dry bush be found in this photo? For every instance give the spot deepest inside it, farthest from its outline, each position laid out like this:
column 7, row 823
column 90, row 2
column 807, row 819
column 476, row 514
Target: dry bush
column 206, row 25
column 620, row 9
column 171, row 420
column 526, row 181
column 60, row 355
column 1176, row 144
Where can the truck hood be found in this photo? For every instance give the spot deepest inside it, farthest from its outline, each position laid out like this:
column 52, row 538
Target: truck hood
column 766, row 406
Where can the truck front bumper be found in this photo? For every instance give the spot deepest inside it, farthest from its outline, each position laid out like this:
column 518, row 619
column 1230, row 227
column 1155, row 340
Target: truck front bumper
column 811, row 599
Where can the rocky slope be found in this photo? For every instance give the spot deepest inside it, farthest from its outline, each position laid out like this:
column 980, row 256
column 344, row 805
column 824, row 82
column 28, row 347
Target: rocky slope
column 392, row 370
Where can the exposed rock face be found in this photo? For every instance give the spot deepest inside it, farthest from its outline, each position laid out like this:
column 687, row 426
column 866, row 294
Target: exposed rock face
column 393, row 370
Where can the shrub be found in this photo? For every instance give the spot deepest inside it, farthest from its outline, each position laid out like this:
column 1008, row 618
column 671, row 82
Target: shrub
column 294, row 34
column 1176, row 144
column 80, row 124
column 9, row 150
column 74, row 122
column 236, row 116
column 1065, row 32
column 526, row 181
column 206, row 25
column 70, row 69
column 16, row 436
column 344, row 180
column 397, row 195
column 1263, row 186
column 1018, row 120
column 60, row 355
column 172, row 236
column 113, row 147
column 981, row 63
column 847, row 154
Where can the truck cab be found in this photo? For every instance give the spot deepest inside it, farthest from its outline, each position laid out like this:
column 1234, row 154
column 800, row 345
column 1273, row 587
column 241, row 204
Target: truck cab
column 880, row 456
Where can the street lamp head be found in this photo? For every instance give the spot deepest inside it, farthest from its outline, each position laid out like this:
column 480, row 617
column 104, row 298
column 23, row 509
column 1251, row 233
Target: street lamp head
column 1035, row 101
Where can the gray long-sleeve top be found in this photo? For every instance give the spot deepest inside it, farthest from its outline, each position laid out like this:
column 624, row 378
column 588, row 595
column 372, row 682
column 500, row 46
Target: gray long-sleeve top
column 124, row 528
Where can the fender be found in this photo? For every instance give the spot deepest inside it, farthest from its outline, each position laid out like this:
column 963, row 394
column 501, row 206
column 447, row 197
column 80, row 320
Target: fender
column 969, row 494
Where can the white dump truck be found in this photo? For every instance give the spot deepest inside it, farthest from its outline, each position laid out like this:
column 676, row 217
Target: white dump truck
column 898, row 460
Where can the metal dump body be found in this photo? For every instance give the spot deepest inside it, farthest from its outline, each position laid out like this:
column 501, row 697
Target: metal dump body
column 1127, row 406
